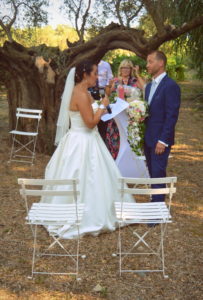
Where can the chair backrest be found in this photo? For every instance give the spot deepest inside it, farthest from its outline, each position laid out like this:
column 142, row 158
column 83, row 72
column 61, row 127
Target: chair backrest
column 48, row 187
column 28, row 113
column 141, row 186
column 33, row 114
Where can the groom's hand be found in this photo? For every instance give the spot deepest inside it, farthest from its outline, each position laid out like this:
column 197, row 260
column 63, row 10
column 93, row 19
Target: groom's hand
column 160, row 148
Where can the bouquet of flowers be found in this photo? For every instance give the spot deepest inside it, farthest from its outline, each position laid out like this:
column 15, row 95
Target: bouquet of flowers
column 127, row 92
column 131, row 93
column 137, row 112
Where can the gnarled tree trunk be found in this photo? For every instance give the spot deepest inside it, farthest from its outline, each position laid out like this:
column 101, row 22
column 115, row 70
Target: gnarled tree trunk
column 28, row 88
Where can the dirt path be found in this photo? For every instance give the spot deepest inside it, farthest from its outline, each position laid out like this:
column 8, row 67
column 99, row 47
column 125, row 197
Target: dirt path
column 183, row 243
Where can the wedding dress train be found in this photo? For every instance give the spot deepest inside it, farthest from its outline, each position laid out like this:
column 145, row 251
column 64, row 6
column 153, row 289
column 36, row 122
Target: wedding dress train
column 82, row 154
column 129, row 164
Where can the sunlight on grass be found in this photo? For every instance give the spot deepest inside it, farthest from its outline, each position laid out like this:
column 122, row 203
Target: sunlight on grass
column 188, row 210
column 188, row 152
column 21, row 168
column 178, row 204
column 194, row 140
column 187, row 183
column 195, row 213
column 182, row 147
column 189, row 158
column 6, row 295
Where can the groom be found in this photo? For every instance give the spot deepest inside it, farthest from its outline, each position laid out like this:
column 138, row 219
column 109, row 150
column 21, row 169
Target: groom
column 163, row 97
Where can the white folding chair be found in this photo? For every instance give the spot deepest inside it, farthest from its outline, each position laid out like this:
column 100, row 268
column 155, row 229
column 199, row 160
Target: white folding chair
column 24, row 142
column 143, row 213
column 51, row 214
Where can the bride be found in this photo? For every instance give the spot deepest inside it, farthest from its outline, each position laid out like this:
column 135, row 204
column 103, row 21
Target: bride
column 81, row 153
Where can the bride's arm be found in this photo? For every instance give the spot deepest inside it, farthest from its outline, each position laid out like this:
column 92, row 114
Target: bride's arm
column 90, row 118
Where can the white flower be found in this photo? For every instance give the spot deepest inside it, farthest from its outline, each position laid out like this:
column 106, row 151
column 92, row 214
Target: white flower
column 136, row 112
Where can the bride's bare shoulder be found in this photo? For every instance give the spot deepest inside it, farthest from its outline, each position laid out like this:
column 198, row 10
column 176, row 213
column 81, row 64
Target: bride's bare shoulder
column 79, row 94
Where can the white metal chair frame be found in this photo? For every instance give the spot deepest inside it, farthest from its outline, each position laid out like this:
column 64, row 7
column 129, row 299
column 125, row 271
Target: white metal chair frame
column 46, row 214
column 144, row 213
column 30, row 145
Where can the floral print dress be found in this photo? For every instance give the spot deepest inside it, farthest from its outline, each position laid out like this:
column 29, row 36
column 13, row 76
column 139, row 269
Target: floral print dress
column 112, row 134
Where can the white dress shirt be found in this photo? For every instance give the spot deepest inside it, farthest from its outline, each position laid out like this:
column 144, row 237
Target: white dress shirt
column 154, row 86
column 155, row 83
column 104, row 73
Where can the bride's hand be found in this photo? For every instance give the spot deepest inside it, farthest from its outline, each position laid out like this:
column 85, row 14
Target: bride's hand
column 105, row 100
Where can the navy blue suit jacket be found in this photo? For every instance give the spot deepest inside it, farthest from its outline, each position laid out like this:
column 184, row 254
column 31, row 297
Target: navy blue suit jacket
column 163, row 112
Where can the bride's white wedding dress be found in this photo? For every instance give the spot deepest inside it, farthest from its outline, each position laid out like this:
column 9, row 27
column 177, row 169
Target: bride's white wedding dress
column 82, row 154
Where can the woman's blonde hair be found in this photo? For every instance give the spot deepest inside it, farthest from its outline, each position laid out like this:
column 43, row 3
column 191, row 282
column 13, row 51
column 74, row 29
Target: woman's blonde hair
column 125, row 63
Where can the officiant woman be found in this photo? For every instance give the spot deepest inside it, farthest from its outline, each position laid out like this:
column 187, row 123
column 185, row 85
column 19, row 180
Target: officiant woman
column 125, row 76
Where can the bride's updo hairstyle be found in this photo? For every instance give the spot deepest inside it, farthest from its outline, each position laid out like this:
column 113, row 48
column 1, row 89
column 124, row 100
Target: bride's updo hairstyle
column 83, row 67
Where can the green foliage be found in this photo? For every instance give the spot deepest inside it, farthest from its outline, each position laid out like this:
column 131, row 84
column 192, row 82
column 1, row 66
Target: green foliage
column 30, row 37
column 35, row 13
column 146, row 23
column 20, row 13
column 181, row 12
column 126, row 11
column 188, row 46
column 176, row 68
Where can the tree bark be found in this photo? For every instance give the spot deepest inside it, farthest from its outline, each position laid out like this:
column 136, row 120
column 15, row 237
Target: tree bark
column 27, row 88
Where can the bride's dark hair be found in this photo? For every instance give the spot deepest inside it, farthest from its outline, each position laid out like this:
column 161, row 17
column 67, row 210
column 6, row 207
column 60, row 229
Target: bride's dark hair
column 83, row 67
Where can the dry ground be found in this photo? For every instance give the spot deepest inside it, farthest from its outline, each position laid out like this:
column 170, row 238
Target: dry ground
column 183, row 243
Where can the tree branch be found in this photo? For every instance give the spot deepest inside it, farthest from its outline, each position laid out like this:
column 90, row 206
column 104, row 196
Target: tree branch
column 77, row 15
column 84, row 20
column 172, row 32
column 116, row 36
column 117, row 7
column 7, row 27
column 154, row 9
column 15, row 13
column 76, row 9
column 129, row 19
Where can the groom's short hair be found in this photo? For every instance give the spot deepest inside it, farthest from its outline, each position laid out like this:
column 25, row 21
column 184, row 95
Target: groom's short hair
column 160, row 55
